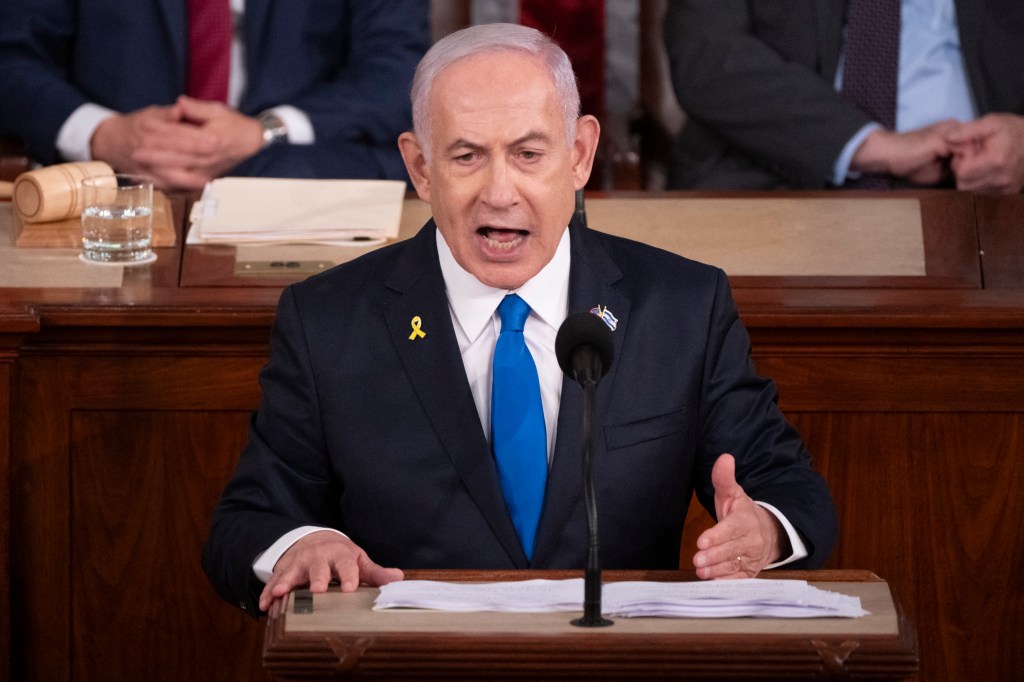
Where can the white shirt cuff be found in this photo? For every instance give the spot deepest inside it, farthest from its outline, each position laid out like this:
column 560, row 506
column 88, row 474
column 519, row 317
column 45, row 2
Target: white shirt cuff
column 841, row 171
column 74, row 136
column 263, row 567
column 300, row 130
column 799, row 548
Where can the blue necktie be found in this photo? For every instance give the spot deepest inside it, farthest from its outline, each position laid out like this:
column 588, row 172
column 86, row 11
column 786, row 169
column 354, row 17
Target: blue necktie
column 517, row 423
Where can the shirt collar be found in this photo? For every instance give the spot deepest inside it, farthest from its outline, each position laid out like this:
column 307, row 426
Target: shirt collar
column 473, row 303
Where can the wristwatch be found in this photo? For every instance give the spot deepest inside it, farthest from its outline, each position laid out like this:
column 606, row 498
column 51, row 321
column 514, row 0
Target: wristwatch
column 274, row 129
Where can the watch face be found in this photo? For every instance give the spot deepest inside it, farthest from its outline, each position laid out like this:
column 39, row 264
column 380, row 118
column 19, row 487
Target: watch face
column 274, row 129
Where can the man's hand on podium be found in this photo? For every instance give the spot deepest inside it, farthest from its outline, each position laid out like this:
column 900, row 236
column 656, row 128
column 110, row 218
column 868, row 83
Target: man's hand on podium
column 317, row 559
column 746, row 538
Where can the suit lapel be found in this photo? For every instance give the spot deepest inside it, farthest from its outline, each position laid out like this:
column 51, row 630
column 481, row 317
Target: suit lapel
column 436, row 371
column 256, row 14
column 830, row 16
column 968, row 18
column 592, row 274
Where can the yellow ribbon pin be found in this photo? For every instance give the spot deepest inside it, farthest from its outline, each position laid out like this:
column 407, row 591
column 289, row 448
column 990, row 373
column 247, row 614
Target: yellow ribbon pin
column 416, row 331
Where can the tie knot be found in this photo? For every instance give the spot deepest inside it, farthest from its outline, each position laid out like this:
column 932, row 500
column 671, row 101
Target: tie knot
column 513, row 311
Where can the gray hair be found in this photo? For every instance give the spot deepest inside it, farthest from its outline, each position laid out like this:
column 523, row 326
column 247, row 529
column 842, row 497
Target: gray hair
column 488, row 39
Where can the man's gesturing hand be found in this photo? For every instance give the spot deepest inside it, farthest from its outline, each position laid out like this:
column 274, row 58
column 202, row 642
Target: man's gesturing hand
column 746, row 537
column 317, row 559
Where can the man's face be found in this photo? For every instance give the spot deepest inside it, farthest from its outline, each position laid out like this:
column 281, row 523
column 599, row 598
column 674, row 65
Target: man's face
column 502, row 173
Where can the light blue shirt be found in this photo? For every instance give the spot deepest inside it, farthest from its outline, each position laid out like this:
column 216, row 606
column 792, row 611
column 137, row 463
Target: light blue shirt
column 932, row 81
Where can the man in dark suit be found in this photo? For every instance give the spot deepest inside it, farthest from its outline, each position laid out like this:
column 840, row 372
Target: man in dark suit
column 376, row 413
column 758, row 81
column 317, row 88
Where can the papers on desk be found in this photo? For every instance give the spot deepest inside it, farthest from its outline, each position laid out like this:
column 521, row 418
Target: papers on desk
column 710, row 599
column 276, row 210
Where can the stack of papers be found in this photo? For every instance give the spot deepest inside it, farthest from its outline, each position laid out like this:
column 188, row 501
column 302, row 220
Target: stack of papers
column 275, row 210
column 714, row 599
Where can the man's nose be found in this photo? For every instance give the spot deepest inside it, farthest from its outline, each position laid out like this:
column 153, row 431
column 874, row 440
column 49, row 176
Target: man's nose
column 500, row 185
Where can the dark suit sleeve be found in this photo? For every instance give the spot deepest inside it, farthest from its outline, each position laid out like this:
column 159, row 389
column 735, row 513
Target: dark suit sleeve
column 740, row 416
column 368, row 99
column 35, row 55
column 283, row 479
column 733, row 77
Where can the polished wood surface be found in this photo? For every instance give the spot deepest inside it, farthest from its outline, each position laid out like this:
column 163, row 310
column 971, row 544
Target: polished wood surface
column 122, row 412
column 403, row 645
column 1000, row 223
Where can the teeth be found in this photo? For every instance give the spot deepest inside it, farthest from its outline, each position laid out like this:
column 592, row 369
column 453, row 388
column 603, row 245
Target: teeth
column 504, row 245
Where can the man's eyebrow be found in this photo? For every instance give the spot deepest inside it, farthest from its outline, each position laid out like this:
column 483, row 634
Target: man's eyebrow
column 464, row 144
column 533, row 136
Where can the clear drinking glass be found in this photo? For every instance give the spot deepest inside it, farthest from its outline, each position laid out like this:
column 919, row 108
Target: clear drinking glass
column 117, row 219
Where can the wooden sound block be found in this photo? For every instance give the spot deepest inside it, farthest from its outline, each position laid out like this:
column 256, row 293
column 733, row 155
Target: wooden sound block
column 68, row 233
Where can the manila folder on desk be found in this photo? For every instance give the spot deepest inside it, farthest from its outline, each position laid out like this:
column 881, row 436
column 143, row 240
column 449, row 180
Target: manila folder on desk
column 238, row 210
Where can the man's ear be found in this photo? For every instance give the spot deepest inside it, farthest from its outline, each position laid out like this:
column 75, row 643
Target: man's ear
column 584, row 146
column 415, row 164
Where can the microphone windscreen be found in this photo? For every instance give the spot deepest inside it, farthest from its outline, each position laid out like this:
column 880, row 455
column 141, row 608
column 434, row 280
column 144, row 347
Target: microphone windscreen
column 582, row 329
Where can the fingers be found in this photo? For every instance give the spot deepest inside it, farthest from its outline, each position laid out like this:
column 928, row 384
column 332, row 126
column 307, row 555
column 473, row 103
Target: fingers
column 276, row 587
column 726, row 549
column 320, row 558
column 744, row 540
column 973, row 131
column 723, row 476
column 727, row 490
column 374, row 575
column 732, row 567
column 197, row 110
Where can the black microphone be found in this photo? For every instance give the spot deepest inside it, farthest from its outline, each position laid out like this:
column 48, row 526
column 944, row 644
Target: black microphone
column 585, row 349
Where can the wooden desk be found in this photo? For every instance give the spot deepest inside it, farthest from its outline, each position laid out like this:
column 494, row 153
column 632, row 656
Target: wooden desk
column 123, row 410
column 347, row 639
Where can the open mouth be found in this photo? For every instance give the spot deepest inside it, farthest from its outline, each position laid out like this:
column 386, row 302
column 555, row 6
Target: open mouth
column 502, row 239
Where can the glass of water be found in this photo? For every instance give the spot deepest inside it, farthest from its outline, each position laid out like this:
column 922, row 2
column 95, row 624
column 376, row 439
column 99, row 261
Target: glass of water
column 117, row 219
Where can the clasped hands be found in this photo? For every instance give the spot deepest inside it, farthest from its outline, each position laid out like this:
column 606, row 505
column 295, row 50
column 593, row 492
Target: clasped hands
column 746, row 538
column 182, row 146
column 984, row 155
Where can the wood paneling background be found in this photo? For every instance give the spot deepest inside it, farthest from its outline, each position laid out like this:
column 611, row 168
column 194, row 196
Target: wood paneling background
column 122, row 413
column 124, row 456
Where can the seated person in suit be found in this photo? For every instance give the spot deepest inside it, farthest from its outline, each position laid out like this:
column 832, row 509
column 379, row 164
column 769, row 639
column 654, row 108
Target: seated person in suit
column 760, row 81
column 376, row 442
column 310, row 89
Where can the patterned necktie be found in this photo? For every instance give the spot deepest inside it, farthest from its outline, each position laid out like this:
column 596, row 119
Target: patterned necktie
column 517, row 423
column 871, row 67
column 209, row 49
column 872, row 57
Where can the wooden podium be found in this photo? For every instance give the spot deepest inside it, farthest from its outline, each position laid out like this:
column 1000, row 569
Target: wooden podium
column 343, row 637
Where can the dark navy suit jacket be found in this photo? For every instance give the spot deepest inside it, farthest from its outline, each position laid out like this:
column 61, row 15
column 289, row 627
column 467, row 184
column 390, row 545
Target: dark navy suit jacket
column 347, row 63
column 376, row 434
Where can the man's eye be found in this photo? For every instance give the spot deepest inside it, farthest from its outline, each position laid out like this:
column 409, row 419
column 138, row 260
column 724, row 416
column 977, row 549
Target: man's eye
column 468, row 157
column 528, row 155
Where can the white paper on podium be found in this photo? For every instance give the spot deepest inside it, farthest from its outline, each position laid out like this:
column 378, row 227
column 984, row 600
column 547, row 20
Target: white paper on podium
column 710, row 599
column 246, row 210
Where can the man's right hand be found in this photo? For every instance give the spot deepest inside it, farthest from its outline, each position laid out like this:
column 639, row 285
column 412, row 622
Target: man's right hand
column 317, row 559
column 918, row 156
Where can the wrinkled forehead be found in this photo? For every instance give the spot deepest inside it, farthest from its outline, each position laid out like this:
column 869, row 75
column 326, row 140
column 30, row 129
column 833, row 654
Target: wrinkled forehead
column 503, row 89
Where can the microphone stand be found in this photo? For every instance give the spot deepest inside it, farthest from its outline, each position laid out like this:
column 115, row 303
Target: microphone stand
column 592, row 574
